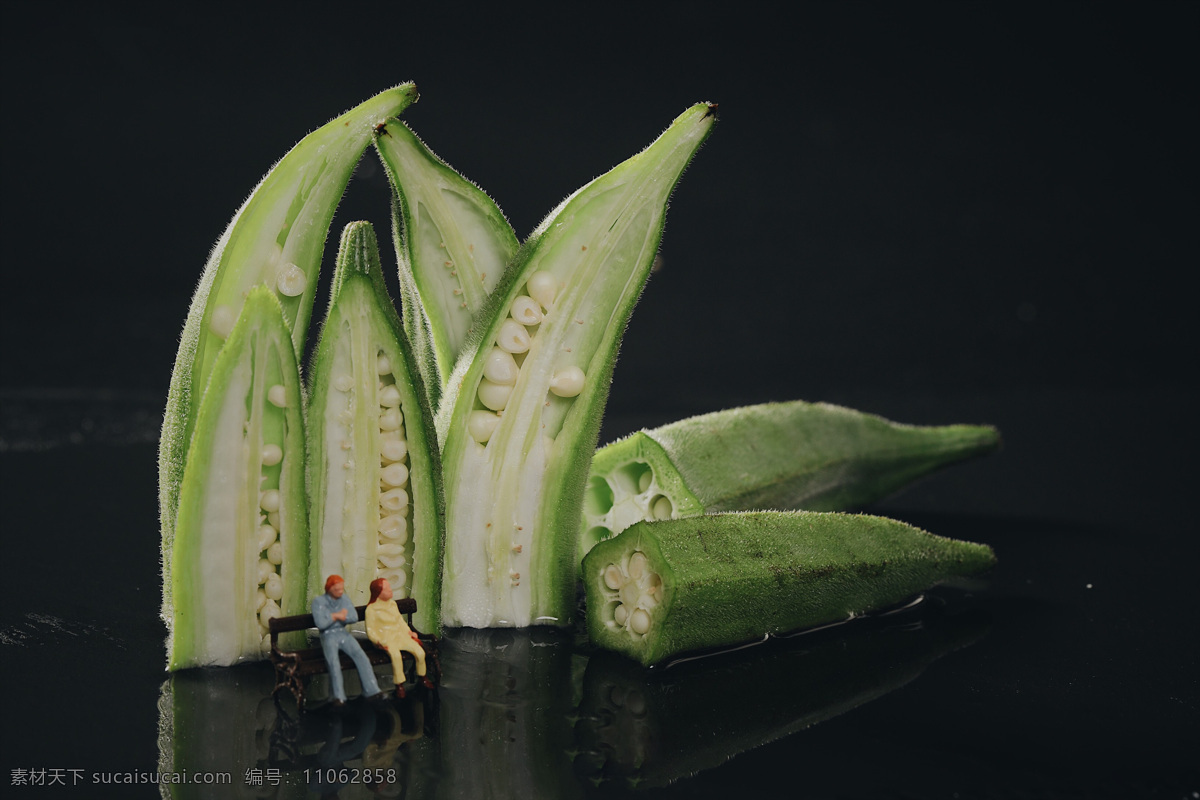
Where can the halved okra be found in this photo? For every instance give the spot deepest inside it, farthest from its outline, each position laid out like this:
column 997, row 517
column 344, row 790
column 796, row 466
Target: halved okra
column 668, row 587
column 780, row 456
column 275, row 239
column 240, row 553
column 452, row 245
column 373, row 470
column 530, row 388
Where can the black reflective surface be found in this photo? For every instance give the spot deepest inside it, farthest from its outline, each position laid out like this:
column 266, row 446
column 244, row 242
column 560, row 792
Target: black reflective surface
column 937, row 213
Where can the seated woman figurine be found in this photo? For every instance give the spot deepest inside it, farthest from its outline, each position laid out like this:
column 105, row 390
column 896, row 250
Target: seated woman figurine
column 386, row 628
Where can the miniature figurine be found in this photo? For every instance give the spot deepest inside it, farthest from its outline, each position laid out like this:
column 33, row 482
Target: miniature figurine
column 386, row 628
column 332, row 612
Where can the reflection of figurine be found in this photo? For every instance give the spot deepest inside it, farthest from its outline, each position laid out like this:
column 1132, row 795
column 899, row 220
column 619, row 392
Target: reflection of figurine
column 332, row 612
column 386, row 628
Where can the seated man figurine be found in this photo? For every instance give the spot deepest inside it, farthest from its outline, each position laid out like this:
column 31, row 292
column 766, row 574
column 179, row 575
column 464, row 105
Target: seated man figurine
column 332, row 612
column 386, row 628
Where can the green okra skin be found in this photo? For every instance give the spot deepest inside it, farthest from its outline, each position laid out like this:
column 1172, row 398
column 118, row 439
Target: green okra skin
column 783, row 456
column 522, row 416
column 240, row 553
column 374, row 475
column 675, row 586
column 275, row 239
column 452, row 245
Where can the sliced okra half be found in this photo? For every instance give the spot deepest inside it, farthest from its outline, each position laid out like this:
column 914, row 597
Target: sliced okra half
column 452, row 246
column 663, row 588
column 374, row 476
column 783, row 456
column 275, row 239
column 530, row 388
column 240, row 554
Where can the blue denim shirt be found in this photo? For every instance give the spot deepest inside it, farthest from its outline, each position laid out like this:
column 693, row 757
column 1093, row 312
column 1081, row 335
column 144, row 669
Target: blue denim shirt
column 325, row 606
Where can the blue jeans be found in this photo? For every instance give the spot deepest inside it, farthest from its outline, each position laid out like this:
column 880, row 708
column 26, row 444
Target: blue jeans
column 340, row 639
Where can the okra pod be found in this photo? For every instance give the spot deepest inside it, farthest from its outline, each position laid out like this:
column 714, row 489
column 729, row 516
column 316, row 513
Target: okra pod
column 674, row 586
column 782, row 456
column 528, row 393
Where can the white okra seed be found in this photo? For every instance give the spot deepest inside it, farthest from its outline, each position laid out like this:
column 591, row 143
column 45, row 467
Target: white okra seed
column 273, row 587
column 637, row 565
column 221, row 322
column 260, row 599
column 394, row 499
column 265, row 570
column 273, row 519
column 526, row 311
column 393, row 449
column 382, row 365
column 269, row 500
column 394, row 527
column 481, row 425
column 277, row 396
column 391, row 555
column 393, row 475
column 567, row 382
column 275, row 553
column 662, row 508
column 272, row 454
column 500, row 367
column 269, row 610
column 343, row 383
column 494, row 395
column 389, row 396
column 645, row 480
column 513, row 337
column 543, row 287
column 290, row 280
column 612, row 577
column 620, row 614
column 639, row 621
column 390, row 420
column 266, row 536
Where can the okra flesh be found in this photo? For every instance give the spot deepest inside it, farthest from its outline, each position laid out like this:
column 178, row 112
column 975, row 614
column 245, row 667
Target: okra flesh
column 374, row 482
column 669, row 587
column 240, row 554
column 452, row 244
column 531, row 390
column 783, row 456
column 276, row 239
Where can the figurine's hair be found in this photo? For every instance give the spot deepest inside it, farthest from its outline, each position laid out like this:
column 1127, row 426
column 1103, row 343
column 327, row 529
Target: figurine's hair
column 376, row 589
column 331, row 580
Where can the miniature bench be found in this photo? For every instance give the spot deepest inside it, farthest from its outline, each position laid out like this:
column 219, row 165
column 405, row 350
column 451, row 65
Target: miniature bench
column 293, row 666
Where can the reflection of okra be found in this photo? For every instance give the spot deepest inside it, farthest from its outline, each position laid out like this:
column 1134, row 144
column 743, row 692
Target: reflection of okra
column 668, row 587
column 814, row 456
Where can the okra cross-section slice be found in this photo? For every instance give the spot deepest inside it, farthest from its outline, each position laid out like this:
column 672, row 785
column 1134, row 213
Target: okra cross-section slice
column 240, row 553
column 452, row 245
column 374, row 476
column 275, row 239
column 531, row 388
column 782, row 456
column 664, row 588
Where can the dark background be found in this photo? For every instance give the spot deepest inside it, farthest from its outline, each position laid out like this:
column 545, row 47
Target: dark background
column 935, row 212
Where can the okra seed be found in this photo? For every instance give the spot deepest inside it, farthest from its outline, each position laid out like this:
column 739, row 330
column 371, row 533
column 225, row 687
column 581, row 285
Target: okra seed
column 525, row 310
column 621, row 614
column 394, row 475
column 343, row 383
column 394, row 499
column 291, row 280
column 612, row 577
column 272, row 454
column 273, row 519
column 222, row 321
column 494, row 395
column 275, row 553
column 393, row 450
column 382, row 365
column 500, row 367
column 269, row 500
column 394, row 526
column 661, row 507
column 389, row 396
column 637, row 565
column 644, row 481
column 639, row 621
column 567, row 382
column 513, row 337
column 543, row 287
column 273, row 587
column 269, row 611
column 265, row 570
column 266, row 537
column 260, row 599
column 391, row 555
column 390, row 420
column 481, row 425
